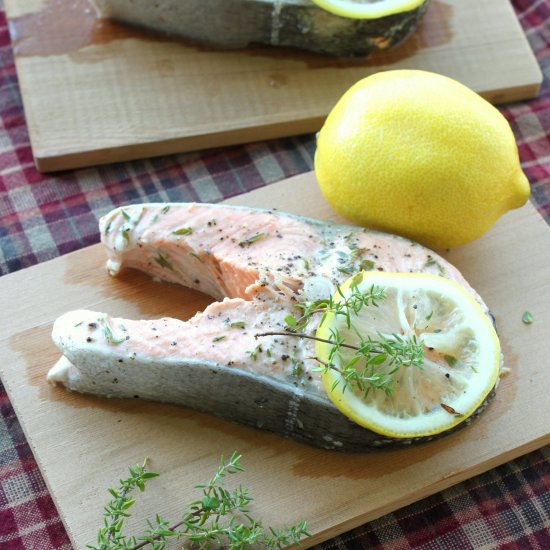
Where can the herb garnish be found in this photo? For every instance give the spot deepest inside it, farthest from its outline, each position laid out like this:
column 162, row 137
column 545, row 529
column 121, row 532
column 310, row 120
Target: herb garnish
column 219, row 518
column 252, row 240
column 450, row 360
column 430, row 262
column 237, row 324
column 358, row 370
column 163, row 262
column 366, row 265
column 219, row 338
column 183, row 231
column 125, row 215
column 125, row 231
column 254, row 353
column 527, row 318
column 108, row 332
column 297, row 369
column 165, row 209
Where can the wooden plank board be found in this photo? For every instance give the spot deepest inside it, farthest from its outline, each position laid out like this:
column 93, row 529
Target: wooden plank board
column 83, row 444
column 97, row 93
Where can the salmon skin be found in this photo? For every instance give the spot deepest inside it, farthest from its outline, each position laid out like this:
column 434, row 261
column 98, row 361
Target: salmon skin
column 258, row 264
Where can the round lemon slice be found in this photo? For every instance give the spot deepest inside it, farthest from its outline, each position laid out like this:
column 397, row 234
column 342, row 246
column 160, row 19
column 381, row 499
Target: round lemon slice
column 434, row 354
column 367, row 9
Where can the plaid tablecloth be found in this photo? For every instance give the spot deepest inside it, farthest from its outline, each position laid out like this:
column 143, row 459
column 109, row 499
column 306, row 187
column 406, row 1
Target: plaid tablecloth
column 43, row 217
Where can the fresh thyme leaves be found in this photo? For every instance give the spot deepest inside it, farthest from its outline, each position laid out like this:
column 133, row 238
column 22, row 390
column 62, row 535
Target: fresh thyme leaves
column 237, row 324
column 116, row 511
column 291, row 321
column 297, row 369
column 163, row 262
column 219, row 338
column 366, row 265
column 527, row 318
column 183, row 231
column 360, row 370
column 219, row 518
column 251, row 240
column 196, row 256
column 430, row 262
column 396, row 351
column 108, row 332
column 125, row 215
column 165, row 209
column 254, row 353
column 126, row 234
column 345, row 306
column 450, row 360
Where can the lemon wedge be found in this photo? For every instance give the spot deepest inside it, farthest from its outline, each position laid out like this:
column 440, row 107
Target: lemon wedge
column 456, row 353
column 367, row 9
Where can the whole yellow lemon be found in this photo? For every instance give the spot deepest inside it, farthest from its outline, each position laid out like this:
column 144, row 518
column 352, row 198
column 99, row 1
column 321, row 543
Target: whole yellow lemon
column 421, row 155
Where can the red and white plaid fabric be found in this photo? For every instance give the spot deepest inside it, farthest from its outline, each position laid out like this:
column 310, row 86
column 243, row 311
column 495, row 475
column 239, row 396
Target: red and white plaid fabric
column 42, row 217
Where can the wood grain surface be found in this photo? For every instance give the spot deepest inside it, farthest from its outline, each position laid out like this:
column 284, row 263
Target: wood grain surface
column 96, row 92
column 83, row 443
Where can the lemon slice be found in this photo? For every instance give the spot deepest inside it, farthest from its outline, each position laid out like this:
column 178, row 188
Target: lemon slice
column 367, row 9
column 453, row 338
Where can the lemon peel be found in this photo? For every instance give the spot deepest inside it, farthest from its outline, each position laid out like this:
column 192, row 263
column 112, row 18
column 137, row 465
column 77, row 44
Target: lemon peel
column 461, row 364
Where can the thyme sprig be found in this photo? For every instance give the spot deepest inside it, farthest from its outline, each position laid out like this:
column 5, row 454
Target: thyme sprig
column 111, row 536
column 344, row 306
column 219, row 518
column 360, row 370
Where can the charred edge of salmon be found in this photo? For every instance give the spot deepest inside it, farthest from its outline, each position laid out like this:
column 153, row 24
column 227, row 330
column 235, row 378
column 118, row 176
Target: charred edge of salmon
column 236, row 395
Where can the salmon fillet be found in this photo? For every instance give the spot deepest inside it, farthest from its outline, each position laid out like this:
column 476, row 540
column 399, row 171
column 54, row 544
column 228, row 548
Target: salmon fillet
column 258, row 264
column 239, row 23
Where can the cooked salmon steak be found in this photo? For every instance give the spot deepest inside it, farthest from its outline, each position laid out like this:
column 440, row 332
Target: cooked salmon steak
column 239, row 23
column 257, row 264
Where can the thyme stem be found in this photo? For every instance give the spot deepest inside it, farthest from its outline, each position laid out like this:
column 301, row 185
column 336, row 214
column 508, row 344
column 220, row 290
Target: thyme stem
column 158, row 537
column 376, row 359
column 220, row 516
column 308, row 337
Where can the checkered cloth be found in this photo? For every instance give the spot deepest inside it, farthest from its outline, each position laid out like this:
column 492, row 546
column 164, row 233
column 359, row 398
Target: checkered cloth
column 45, row 216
